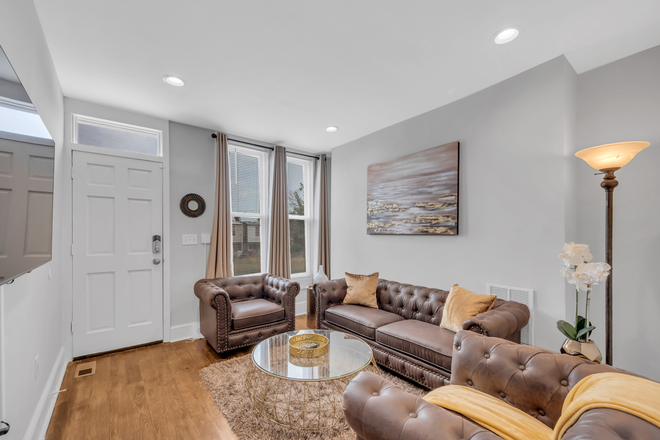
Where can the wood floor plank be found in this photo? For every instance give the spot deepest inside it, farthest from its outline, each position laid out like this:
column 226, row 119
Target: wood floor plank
column 101, row 378
column 140, row 411
column 121, row 420
column 147, row 368
column 97, row 425
column 78, row 419
column 133, row 374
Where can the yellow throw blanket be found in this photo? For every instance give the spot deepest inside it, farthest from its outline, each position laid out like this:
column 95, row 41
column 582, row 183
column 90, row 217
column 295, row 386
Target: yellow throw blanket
column 630, row 394
column 633, row 395
column 493, row 414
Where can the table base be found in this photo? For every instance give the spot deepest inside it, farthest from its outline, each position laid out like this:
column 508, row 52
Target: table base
column 303, row 405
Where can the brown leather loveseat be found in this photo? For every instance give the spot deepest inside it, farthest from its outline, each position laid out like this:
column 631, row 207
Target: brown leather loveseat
column 531, row 379
column 404, row 332
column 239, row 311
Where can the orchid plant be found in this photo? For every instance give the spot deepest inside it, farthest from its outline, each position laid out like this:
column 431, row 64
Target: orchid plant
column 582, row 273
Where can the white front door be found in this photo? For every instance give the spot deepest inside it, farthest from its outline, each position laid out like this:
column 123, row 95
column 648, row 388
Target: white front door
column 117, row 275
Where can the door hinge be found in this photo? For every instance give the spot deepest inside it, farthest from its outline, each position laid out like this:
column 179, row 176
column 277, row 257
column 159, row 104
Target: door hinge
column 71, row 326
column 161, row 166
column 72, row 172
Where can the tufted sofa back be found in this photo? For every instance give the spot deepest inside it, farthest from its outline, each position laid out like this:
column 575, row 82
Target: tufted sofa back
column 533, row 380
column 411, row 302
column 242, row 288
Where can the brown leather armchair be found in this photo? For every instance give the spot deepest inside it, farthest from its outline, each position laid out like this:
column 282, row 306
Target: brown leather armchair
column 529, row 378
column 240, row 311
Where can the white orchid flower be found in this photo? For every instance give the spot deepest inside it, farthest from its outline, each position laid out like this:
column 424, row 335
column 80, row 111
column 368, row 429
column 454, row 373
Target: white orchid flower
column 573, row 254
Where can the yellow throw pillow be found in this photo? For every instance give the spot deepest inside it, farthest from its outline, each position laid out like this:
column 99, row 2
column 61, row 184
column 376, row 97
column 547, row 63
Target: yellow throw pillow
column 362, row 290
column 462, row 305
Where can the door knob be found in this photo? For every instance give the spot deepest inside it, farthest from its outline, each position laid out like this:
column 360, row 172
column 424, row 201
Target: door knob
column 156, row 260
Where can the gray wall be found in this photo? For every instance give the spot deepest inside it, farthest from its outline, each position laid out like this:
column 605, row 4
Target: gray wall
column 31, row 307
column 512, row 219
column 621, row 102
column 192, row 170
column 13, row 90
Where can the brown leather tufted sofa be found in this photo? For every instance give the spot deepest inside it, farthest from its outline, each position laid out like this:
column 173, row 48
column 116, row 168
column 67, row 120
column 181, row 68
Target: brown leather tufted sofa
column 533, row 380
column 240, row 311
column 404, row 332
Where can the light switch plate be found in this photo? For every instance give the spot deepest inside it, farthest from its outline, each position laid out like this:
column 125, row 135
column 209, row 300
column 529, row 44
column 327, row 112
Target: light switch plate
column 206, row 238
column 188, row 239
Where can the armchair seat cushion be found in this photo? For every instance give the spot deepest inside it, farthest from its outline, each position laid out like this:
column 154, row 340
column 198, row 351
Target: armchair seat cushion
column 245, row 314
column 425, row 341
column 361, row 319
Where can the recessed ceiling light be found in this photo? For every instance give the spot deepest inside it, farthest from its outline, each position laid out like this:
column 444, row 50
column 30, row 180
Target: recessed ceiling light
column 506, row 35
column 174, row 81
column 331, row 129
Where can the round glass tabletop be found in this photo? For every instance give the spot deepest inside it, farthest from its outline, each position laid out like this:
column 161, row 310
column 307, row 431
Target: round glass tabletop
column 346, row 355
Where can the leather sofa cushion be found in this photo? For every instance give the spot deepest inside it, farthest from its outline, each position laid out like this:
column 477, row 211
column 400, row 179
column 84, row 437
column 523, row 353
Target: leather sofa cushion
column 360, row 319
column 246, row 314
column 419, row 339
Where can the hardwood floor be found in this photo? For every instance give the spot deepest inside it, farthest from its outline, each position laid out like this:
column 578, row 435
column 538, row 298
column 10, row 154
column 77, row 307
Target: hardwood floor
column 151, row 392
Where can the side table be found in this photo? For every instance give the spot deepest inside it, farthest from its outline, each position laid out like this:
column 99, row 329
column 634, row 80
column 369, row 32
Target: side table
column 311, row 307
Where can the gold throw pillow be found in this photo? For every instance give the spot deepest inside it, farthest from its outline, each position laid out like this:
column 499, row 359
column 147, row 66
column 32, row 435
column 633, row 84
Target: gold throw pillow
column 361, row 290
column 462, row 305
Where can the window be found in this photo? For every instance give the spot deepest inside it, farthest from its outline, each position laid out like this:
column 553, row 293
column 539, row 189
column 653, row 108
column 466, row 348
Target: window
column 299, row 184
column 247, row 174
column 117, row 136
column 21, row 118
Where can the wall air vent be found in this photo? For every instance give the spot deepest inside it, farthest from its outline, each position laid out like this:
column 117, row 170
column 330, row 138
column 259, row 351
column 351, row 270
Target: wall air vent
column 523, row 296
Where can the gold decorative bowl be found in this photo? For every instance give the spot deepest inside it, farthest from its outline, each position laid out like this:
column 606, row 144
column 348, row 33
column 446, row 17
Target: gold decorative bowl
column 295, row 342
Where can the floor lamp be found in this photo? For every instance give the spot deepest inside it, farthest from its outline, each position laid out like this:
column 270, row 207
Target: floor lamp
column 608, row 159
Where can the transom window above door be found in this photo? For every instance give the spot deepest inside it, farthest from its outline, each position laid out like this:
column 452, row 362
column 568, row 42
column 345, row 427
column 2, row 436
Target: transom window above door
column 103, row 133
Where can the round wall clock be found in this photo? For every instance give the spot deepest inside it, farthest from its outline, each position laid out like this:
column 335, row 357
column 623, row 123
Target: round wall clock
column 192, row 205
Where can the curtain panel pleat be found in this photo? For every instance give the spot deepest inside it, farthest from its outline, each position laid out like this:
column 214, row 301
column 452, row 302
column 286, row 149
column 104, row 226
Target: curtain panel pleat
column 219, row 263
column 279, row 261
column 322, row 216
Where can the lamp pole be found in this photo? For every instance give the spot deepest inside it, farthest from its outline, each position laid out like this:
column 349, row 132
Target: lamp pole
column 609, row 183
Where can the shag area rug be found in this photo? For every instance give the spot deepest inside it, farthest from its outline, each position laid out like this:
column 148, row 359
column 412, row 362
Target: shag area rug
column 226, row 383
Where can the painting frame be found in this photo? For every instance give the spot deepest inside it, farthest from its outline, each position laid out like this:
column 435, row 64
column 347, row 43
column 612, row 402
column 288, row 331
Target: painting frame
column 415, row 194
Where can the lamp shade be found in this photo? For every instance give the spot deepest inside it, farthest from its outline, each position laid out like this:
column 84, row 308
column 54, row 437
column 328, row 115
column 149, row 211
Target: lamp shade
column 611, row 156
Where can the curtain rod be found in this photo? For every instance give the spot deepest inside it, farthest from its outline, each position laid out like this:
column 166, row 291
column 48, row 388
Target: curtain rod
column 214, row 136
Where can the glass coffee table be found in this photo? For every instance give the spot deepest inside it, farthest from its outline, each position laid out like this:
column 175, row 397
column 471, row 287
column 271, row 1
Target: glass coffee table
column 305, row 393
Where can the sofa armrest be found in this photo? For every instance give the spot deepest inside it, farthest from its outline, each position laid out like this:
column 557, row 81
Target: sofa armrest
column 502, row 321
column 328, row 294
column 214, row 313
column 213, row 295
column 282, row 291
column 611, row 424
column 377, row 409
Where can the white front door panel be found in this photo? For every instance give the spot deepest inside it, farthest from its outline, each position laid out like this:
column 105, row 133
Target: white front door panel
column 117, row 286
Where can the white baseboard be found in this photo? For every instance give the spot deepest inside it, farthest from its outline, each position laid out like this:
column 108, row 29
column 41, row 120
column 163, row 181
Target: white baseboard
column 301, row 307
column 44, row 410
column 185, row 331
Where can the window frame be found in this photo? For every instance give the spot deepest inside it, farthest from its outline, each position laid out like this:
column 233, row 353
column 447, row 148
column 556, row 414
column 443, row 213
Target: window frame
column 263, row 203
column 308, row 171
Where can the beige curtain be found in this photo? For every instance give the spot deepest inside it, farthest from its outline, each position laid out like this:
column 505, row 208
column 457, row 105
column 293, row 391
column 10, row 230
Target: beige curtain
column 219, row 265
column 279, row 261
column 323, row 220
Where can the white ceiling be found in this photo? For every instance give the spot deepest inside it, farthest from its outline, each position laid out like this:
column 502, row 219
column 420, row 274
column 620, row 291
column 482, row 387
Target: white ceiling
column 280, row 71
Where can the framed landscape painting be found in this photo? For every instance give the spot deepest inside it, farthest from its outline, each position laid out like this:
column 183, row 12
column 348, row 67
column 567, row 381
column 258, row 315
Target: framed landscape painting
column 415, row 194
